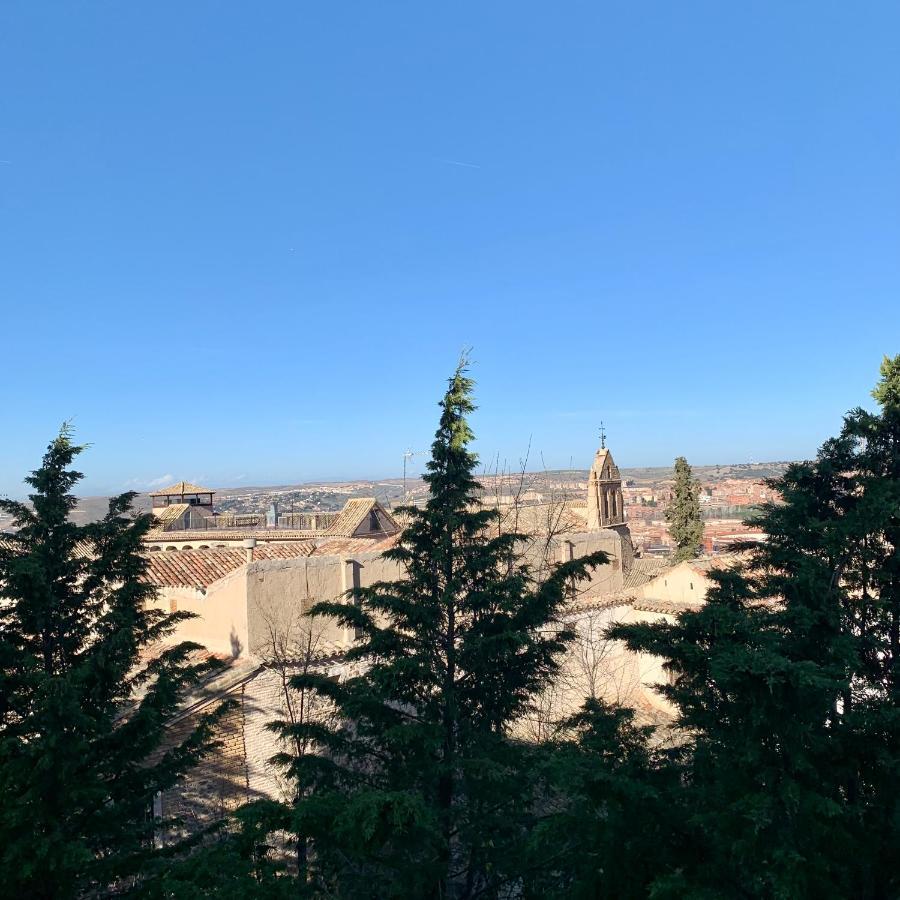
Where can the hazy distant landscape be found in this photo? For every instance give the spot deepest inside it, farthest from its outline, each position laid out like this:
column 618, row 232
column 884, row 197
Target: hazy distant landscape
column 330, row 496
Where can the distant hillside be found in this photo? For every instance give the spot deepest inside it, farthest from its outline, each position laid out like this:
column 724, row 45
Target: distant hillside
column 328, row 496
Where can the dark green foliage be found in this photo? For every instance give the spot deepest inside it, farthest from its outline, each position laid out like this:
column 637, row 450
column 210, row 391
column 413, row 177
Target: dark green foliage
column 420, row 792
column 610, row 827
column 81, row 711
column 683, row 513
column 786, row 686
column 234, row 861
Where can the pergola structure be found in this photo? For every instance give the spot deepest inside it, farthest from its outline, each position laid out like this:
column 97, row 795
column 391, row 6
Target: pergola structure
column 183, row 492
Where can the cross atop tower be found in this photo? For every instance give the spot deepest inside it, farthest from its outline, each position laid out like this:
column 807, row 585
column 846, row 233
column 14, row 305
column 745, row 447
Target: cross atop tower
column 602, row 436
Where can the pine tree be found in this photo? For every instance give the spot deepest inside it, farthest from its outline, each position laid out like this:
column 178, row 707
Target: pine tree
column 868, row 462
column 422, row 792
column 611, row 823
column 683, row 513
column 784, row 685
column 82, row 711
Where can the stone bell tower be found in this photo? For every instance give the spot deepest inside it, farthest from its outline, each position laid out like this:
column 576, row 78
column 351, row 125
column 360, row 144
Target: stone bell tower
column 604, row 500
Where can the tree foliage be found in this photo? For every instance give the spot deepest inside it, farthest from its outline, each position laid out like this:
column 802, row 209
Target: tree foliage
column 421, row 791
column 786, row 685
column 609, row 827
column 683, row 513
column 777, row 779
column 83, row 702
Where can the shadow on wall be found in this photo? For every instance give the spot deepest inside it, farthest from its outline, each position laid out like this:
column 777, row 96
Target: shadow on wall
column 220, row 782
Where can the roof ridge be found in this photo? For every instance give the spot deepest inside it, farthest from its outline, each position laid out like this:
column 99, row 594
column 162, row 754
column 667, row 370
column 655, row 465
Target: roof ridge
column 181, row 487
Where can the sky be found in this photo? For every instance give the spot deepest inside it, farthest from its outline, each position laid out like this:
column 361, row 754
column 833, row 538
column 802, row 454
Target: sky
column 245, row 243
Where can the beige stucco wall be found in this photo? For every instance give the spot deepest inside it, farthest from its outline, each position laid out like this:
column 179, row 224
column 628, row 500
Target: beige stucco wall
column 649, row 668
column 221, row 614
column 596, row 666
column 280, row 592
column 239, row 614
column 679, row 584
column 603, row 580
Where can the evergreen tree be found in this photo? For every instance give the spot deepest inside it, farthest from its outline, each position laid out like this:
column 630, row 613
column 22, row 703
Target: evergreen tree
column 611, row 826
column 82, row 710
column 237, row 859
column 868, row 460
column 683, row 513
column 421, row 792
column 784, row 685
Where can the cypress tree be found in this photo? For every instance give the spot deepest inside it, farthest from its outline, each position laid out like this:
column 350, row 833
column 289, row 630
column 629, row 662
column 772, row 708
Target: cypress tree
column 421, row 791
column 82, row 702
column 683, row 513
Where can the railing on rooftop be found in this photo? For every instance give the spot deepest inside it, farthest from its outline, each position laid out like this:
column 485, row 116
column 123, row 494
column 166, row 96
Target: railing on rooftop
column 307, row 521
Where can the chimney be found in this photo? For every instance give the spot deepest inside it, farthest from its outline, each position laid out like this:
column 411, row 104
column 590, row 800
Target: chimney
column 248, row 545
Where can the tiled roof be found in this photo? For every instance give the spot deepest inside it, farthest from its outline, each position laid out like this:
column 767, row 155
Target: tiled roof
column 644, row 569
column 198, row 569
column 669, row 607
column 182, row 487
column 239, row 671
column 168, row 514
column 705, row 566
column 604, row 601
column 350, row 546
column 211, row 535
column 353, row 514
column 12, row 544
column 9, row 542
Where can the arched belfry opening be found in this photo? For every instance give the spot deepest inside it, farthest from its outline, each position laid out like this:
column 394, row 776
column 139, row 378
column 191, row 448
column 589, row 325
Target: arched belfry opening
column 604, row 502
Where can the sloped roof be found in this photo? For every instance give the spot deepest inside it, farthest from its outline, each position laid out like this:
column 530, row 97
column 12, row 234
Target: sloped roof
column 667, row 607
column 644, row 569
column 215, row 535
column 198, row 569
column 182, row 487
column 353, row 515
column 169, row 514
column 11, row 543
column 604, row 458
column 341, row 546
column 708, row 564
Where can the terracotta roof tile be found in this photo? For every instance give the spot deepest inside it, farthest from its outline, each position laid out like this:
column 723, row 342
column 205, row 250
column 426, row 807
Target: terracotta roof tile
column 644, row 569
column 350, row 546
column 353, row 514
column 182, row 487
column 669, row 607
column 198, row 569
column 211, row 535
column 168, row 514
column 11, row 543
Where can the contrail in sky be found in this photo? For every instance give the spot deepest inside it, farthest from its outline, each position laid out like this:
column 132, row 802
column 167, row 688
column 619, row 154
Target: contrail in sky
column 454, row 162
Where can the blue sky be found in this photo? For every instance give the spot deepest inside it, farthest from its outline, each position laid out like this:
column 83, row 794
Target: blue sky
column 245, row 243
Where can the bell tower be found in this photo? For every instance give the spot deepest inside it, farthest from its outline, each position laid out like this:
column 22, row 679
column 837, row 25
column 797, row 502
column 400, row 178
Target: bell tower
column 604, row 500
